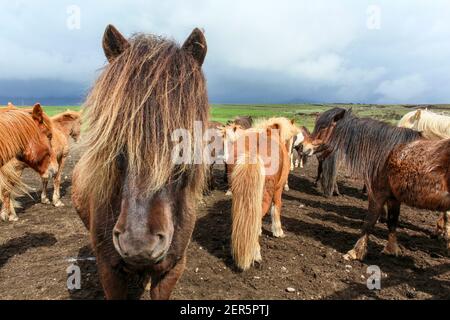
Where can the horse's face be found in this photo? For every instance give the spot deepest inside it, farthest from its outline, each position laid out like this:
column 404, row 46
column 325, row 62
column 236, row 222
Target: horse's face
column 147, row 224
column 314, row 144
column 39, row 154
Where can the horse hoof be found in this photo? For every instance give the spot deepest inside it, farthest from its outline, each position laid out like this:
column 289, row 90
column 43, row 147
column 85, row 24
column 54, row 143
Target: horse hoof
column 286, row 188
column 14, row 218
column 279, row 234
column 351, row 255
column 392, row 251
column 229, row 193
column 58, row 204
column 45, row 201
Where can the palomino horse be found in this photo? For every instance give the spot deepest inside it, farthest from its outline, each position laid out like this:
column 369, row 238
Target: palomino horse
column 63, row 126
column 397, row 165
column 138, row 203
column 29, row 141
column 434, row 127
column 259, row 167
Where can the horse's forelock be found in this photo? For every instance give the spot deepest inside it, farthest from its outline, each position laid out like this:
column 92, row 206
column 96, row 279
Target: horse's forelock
column 141, row 98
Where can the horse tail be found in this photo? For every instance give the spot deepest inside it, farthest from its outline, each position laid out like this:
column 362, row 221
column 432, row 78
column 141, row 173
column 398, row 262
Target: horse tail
column 247, row 186
column 11, row 181
column 329, row 174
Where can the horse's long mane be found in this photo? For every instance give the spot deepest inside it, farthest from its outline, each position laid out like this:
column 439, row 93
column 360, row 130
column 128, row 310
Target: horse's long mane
column 17, row 128
column 287, row 129
column 432, row 125
column 146, row 93
column 364, row 144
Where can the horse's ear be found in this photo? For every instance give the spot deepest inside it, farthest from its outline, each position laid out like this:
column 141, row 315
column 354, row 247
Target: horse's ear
column 341, row 114
column 38, row 113
column 292, row 121
column 418, row 115
column 196, row 45
column 114, row 43
column 305, row 131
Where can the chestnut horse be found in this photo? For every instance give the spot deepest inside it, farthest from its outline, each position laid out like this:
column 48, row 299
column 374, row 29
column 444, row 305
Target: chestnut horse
column 139, row 204
column 30, row 135
column 63, row 126
column 398, row 166
column 434, row 127
column 259, row 168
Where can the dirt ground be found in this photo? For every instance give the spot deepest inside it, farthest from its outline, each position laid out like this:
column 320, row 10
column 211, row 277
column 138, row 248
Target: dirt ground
column 36, row 251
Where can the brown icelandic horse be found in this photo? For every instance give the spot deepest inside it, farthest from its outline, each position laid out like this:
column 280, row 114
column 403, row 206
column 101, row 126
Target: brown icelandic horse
column 138, row 203
column 26, row 136
column 63, row 126
column 259, row 168
column 15, row 166
column 398, row 166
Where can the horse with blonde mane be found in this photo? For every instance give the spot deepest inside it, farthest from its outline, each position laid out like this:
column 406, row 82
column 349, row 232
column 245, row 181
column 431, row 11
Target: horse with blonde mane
column 63, row 126
column 29, row 141
column 434, row 127
column 289, row 133
column 259, row 167
column 137, row 203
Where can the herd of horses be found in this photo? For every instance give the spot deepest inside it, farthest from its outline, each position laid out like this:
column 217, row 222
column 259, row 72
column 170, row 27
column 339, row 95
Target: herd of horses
column 140, row 206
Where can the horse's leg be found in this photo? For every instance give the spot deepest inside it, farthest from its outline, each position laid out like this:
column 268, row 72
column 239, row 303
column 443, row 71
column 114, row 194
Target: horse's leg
column 275, row 214
column 392, row 247
column 114, row 281
column 440, row 226
column 359, row 251
column 336, row 189
column 44, row 198
column 6, row 208
column 319, row 172
column 162, row 286
column 225, row 174
column 57, row 184
column 447, row 228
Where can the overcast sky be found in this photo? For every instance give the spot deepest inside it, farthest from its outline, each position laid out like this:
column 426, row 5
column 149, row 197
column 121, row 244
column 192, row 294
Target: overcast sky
column 259, row 51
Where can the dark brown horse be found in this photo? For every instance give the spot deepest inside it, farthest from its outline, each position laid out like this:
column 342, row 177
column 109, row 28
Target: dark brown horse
column 327, row 168
column 397, row 166
column 138, row 204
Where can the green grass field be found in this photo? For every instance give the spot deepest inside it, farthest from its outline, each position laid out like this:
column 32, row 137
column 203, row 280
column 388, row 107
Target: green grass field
column 304, row 114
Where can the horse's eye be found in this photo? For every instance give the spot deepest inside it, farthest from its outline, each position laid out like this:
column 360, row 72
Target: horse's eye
column 121, row 162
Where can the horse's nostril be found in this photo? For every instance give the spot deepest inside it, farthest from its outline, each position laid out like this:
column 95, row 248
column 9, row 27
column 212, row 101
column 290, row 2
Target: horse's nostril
column 161, row 236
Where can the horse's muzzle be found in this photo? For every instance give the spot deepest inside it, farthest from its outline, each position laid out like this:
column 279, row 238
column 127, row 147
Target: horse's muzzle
column 144, row 250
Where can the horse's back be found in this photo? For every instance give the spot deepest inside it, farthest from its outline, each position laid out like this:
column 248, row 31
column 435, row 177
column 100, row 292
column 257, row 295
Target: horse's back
column 419, row 174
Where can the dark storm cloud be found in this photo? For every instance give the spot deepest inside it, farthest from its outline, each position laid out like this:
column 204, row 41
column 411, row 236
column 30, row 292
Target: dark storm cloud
column 259, row 50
